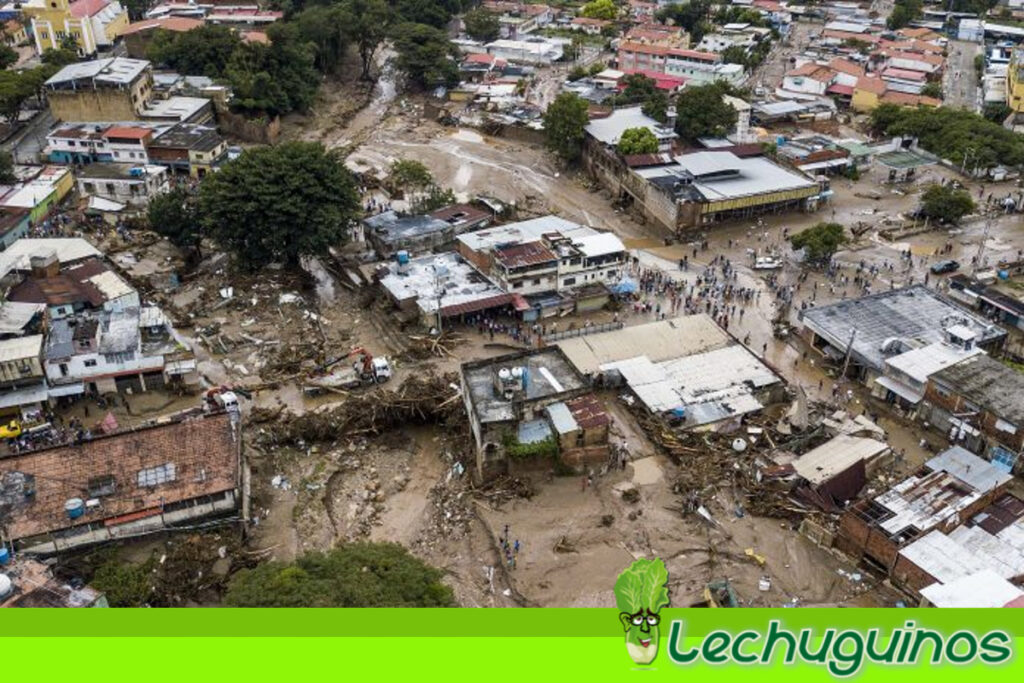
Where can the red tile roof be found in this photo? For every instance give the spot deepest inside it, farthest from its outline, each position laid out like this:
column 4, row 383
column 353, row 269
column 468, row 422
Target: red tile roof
column 179, row 24
column 127, row 132
column 661, row 81
column 871, row 84
column 836, row 89
column 87, row 8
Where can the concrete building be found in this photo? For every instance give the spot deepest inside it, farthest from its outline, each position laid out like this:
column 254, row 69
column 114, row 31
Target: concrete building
column 14, row 224
column 982, row 589
column 1015, row 80
column 126, row 183
column 502, row 394
column 90, row 23
column 531, row 50
column 17, row 259
column 608, row 130
column 388, row 233
column 188, row 148
column 862, row 333
column 978, row 402
column 87, row 286
column 838, row 469
column 123, row 485
column 951, row 487
column 697, row 67
column 23, row 392
column 43, row 189
column 111, row 89
column 441, row 285
column 905, row 377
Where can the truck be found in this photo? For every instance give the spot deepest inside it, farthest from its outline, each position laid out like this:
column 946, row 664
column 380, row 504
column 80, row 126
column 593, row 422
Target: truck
column 221, row 398
column 366, row 369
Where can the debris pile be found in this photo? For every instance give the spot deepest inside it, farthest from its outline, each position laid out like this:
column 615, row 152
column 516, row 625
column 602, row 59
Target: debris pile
column 423, row 347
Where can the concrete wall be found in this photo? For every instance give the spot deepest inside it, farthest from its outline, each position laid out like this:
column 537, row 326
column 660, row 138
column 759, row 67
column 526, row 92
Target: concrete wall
column 92, row 105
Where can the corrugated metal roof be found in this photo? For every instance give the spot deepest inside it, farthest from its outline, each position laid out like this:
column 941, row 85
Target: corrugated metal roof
column 561, row 418
column 21, row 348
column 836, row 456
column 983, row 588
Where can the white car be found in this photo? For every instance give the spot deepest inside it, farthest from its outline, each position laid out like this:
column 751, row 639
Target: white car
column 767, row 263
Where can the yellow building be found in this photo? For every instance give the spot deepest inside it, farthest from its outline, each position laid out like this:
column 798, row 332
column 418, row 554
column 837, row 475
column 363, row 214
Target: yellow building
column 1015, row 81
column 14, row 32
column 90, row 23
column 867, row 93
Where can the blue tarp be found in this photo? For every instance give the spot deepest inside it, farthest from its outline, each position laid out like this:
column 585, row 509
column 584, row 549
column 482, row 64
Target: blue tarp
column 624, row 286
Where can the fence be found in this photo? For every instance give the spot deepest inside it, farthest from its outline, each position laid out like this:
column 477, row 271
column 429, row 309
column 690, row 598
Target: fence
column 583, row 331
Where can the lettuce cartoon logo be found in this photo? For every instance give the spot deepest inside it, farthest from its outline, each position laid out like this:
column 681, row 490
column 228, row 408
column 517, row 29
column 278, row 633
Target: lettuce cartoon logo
column 640, row 593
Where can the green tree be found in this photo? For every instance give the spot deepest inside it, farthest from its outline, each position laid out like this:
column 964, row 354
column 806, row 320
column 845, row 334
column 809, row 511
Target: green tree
column 819, row 242
column 735, row 54
column 277, row 204
column 8, row 56
column 7, row 176
column 564, row 124
column 410, row 176
column 124, row 585
column 136, row 8
column 481, row 25
column 933, row 89
column 425, row 55
column 203, row 51
column 637, row 141
column 175, row 215
column 600, row 9
column 273, row 79
column 946, row 204
column 59, row 58
column 368, row 23
column 640, row 89
column 692, row 16
column 904, row 12
column 996, row 111
column 433, row 199
column 15, row 89
column 359, row 574
column 324, row 27
column 701, row 111
column 430, row 12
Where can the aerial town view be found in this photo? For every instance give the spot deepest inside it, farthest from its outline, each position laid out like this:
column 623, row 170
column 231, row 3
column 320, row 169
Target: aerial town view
column 403, row 303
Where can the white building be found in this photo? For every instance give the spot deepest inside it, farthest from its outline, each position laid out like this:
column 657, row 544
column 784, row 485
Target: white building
column 972, row 30
column 532, row 50
column 125, row 183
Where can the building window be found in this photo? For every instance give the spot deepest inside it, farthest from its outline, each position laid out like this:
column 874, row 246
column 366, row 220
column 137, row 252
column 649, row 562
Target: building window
column 110, row 188
column 517, row 285
column 102, row 486
column 536, row 281
column 91, row 363
column 154, row 476
column 89, row 187
column 71, row 143
column 63, row 369
column 568, row 281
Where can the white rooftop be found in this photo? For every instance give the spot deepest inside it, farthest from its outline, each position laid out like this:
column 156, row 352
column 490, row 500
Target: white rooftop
column 112, row 71
column 67, row 250
column 21, row 348
column 599, row 244
column 15, row 315
column 835, row 456
column 609, row 129
column 525, row 231
column 443, row 275
column 983, row 588
column 179, row 107
column 921, row 363
column 753, row 175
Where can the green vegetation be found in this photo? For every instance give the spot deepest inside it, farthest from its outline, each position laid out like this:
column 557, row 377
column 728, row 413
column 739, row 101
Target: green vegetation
column 933, row 89
column 819, row 242
column 637, row 141
column 979, row 65
column 600, row 9
column 481, row 25
column 692, row 16
column 952, row 134
column 17, row 87
column 353, row 575
column 7, row 176
column 547, row 448
column 426, row 55
column 904, row 12
column 996, row 111
column 175, row 216
column 946, row 204
column 564, row 124
column 277, row 204
column 417, row 184
column 701, row 111
column 8, row 56
column 740, row 15
column 640, row 89
column 125, row 585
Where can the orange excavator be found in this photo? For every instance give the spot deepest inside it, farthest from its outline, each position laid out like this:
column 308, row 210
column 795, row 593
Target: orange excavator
column 367, row 369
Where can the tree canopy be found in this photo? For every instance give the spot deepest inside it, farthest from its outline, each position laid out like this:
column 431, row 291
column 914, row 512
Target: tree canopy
column 425, row 55
column 8, row 56
column 7, row 176
column 701, row 111
column 600, row 9
column 903, row 12
column 481, row 25
column 954, row 134
column 946, row 204
column 359, row 574
column 819, row 242
column 637, row 141
column 564, row 124
column 692, row 16
column 277, row 204
column 174, row 215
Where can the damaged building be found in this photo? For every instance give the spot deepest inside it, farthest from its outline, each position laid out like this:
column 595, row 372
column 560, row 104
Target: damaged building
column 951, row 487
column 863, row 333
column 507, row 397
column 122, row 485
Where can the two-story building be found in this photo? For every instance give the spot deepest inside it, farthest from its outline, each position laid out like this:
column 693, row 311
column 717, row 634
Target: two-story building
column 111, row 89
column 188, row 148
column 133, row 184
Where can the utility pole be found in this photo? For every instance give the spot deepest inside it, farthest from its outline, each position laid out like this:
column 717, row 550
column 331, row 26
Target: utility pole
column 849, row 352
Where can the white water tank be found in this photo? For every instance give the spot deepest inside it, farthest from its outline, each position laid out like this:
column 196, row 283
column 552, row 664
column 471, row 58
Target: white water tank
column 504, row 375
column 5, row 585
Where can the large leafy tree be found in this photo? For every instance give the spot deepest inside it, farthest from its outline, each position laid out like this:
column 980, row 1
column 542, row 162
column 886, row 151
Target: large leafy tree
column 15, row 89
column 368, row 23
column 175, row 215
column 701, row 111
column 819, row 242
column 481, row 25
column 436, row 13
column 692, row 16
column 600, row 9
column 946, row 204
column 637, row 141
column 425, row 55
column 277, row 204
column 7, row 176
column 276, row 78
column 353, row 575
column 324, row 26
column 564, row 125
column 203, row 51
column 8, row 56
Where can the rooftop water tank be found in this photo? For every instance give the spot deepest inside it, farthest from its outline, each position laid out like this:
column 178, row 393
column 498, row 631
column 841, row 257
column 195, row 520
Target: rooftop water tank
column 75, row 507
column 5, row 555
column 5, row 585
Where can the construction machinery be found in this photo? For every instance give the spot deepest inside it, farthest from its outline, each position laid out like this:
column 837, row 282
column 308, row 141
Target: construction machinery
column 11, row 430
column 366, row 369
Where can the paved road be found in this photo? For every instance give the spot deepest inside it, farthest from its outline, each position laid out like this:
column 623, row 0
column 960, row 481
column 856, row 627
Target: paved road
column 960, row 82
column 26, row 145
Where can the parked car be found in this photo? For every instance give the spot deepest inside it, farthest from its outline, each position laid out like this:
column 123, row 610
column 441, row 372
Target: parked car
column 947, row 266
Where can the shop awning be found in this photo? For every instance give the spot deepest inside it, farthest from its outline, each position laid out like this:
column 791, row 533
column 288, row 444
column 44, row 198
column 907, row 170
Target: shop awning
column 900, row 389
column 23, row 397
column 67, row 390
